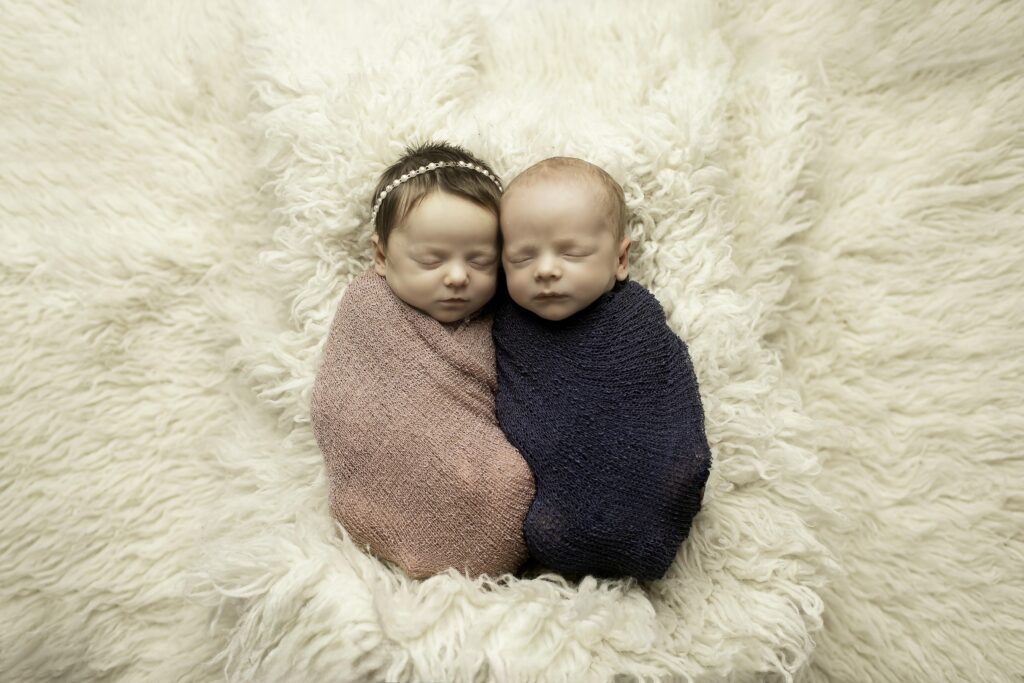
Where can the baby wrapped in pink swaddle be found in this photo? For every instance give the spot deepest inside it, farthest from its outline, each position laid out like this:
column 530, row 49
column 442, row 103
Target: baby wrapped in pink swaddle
column 403, row 411
column 403, row 404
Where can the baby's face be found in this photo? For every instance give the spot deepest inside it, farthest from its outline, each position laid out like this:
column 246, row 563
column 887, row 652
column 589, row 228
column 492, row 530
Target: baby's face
column 446, row 248
column 559, row 240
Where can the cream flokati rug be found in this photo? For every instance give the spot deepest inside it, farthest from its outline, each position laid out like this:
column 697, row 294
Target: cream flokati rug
column 826, row 197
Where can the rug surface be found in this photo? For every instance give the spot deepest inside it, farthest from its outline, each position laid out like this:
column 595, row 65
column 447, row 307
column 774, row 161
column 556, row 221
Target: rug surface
column 825, row 197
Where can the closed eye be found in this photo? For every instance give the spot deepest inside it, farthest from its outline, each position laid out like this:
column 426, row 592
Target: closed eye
column 524, row 259
column 479, row 263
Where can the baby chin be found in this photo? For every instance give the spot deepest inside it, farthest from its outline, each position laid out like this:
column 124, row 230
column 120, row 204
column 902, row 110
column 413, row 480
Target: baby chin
column 552, row 308
column 451, row 312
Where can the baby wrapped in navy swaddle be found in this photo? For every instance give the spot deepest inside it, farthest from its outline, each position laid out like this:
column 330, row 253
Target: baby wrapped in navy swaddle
column 604, row 407
column 598, row 394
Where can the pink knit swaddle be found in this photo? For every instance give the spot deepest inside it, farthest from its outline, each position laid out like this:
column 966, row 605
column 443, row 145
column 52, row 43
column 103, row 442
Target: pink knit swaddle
column 403, row 412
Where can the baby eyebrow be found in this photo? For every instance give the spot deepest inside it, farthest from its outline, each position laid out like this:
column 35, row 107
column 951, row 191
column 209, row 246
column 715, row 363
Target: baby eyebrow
column 437, row 250
column 530, row 248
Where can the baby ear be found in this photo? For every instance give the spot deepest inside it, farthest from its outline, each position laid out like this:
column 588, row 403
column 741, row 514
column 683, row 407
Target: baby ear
column 622, row 267
column 380, row 259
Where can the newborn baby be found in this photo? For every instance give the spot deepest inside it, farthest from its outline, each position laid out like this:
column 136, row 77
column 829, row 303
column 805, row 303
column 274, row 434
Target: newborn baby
column 594, row 389
column 402, row 409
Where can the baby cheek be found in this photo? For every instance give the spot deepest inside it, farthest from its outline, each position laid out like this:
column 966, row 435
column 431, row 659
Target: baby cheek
column 515, row 282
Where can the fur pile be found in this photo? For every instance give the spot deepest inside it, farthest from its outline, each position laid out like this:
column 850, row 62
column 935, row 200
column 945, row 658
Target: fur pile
column 825, row 198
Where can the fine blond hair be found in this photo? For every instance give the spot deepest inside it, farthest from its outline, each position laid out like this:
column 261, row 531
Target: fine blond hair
column 586, row 173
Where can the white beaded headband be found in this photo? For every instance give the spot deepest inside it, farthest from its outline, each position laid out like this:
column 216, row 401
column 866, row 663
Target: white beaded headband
column 423, row 169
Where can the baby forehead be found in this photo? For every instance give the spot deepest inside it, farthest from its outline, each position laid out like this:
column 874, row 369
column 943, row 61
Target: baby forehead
column 557, row 228
column 550, row 205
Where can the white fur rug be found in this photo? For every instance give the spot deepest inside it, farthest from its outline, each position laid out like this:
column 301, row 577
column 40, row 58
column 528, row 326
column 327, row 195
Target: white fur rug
column 826, row 197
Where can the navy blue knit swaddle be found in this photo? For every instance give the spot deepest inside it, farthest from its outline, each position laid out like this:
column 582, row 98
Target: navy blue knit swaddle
column 605, row 408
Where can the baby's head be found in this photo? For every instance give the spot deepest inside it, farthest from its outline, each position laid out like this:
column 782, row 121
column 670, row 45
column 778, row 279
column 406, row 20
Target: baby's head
column 563, row 222
column 436, row 237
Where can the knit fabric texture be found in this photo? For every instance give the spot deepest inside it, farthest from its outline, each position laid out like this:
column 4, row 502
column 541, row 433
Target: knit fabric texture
column 420, row 473
column 606, row 409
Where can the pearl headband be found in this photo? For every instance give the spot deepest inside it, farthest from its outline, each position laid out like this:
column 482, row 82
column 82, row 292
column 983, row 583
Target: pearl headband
column 423, row 169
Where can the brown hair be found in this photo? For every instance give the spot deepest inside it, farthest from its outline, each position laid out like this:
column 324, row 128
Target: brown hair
column 587, row 173
column 467, row 183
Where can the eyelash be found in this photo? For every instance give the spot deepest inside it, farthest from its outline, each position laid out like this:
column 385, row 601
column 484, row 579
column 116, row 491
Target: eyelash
column 434, row 264
column 524, row 260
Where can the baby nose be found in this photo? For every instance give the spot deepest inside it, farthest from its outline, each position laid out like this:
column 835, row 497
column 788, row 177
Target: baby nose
column 456, row 273
column 547, row 266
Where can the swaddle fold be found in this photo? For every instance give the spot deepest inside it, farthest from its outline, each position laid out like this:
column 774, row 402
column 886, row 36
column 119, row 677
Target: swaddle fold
column 419, row 471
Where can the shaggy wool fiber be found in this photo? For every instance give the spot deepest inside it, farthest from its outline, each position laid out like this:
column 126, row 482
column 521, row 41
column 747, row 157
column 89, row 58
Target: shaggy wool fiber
column 825, row 197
